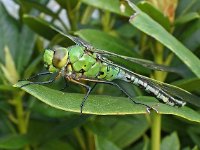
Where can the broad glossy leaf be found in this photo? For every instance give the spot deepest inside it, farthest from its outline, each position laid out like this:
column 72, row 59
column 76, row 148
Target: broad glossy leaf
column 47, row 110
column 146, row 24
column 103, row 105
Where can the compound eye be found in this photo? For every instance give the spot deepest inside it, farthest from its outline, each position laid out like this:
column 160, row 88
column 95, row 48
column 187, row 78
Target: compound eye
column 60, row 58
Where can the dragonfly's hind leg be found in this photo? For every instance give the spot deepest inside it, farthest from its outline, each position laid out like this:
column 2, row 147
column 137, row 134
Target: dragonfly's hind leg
column 148, row 108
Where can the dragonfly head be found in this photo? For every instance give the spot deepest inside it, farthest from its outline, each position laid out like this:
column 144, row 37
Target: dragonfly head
column 55, row 60
column 48, row 59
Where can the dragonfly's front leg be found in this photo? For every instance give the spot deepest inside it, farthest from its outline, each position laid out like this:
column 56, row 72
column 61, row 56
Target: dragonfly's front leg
column 37, row 75
column 88, row 88
column 44, row 82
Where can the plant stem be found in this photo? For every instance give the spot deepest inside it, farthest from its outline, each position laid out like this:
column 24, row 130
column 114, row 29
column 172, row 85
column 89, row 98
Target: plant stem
column 72, row 16
column 80, row 138
column 155, row 131
column 155, row 117
column 20, row 115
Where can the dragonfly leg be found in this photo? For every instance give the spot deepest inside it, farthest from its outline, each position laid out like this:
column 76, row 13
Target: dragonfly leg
column 65, row 86
column 44, row 82
column 89, row 89
column 37, row 75
column 93, row 86
column 148, row 108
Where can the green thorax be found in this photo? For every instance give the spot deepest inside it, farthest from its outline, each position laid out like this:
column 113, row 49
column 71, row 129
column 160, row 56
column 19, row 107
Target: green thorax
column 89, row 65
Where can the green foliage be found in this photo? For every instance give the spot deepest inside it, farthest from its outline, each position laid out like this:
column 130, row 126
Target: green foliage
column 47, row 118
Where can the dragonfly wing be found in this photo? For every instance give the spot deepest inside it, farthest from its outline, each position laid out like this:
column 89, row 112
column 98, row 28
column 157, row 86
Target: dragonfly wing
column 75, row 39
column 142, row 62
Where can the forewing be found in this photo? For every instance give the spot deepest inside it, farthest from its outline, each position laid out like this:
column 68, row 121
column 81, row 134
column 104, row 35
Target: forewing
column 142, row 62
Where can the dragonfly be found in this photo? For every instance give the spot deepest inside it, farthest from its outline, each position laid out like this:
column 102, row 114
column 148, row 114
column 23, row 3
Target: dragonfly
column 83, row 62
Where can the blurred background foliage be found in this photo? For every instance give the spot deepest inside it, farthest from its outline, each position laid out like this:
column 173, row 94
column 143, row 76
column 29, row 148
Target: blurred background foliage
column 26, row 123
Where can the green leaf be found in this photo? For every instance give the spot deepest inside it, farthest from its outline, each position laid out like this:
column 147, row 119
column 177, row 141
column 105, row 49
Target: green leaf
column 190, row 36
column 105, row 41
column 170, row 142
column 46, row 30
column 194, row 134
column 13, row 142
column 57, row 131
column 9, row 69
column 191, row 85
column 155, row 14
column 25, row 48
column 131, row 131
column 103, row 144
column 185, row 6
column 111, row 5
column 187, row 18
column 38, row 6
column 48, row 111
column 32, row 66
column 144, row 23
column 103, row 105
column 9, row 32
